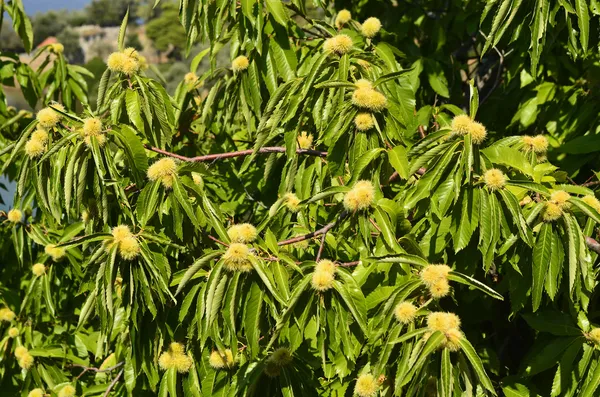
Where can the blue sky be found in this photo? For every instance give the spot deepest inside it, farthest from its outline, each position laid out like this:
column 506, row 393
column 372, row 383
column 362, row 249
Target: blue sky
column 33, row 6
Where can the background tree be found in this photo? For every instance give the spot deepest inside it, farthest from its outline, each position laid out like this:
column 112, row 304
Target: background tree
column 48, row 24
column 108, row 12
column 69, row 38
column 167, row 36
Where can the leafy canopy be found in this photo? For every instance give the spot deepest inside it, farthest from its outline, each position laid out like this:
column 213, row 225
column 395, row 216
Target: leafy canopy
column 310, row 219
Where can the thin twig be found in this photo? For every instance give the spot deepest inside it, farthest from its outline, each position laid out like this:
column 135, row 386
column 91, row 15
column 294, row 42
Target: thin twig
column 593, row 183
column 498, row 73
column 240, row 153
column 593, row 245
column 393, row 177
column 97, row 370
column 216, row 240
column 321, row 247
column 421, row 132
column 374, row 224
column 316, row 233
column 113, row 383
column 349, row 264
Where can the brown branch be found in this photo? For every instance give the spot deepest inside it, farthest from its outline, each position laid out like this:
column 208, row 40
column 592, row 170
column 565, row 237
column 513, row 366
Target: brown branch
column 593, row 183
column 240, row 153
column 216, row 240
column 375, row 225
column 393, row 177
column 316, row 233
column 97, row 370
column 593, row 245
column 498, row 73
column 349, row 264
column 321, row 247
column 113, row 383
column 421, row 132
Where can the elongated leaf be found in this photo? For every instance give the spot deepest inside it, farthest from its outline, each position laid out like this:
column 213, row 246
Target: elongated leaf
column 446, row 374
column 85, row 239
column 122, row 31
column 264, row 275
column 592, row 385
column 183, row 200
column 403, row 258
column 399, row 160
column 330, row 191
column 409, row 335
column 542, row 252
column 194, row 268
column 432, row 344
column 277, row 10
column 133, row 109
column 300, row 288
column 252, row 315
column 354, row 299
column 553, row 322
column 475, row 361
column 464, row 279
column 583, row 21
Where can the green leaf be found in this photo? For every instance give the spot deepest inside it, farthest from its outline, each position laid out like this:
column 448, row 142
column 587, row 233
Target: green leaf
column 390, row 76
column 497, row 21
column 353, row 297
column 85, row 239
column 511, row 388
column 21, row 23
column 362, row 163
column 473, row 99
column 553, row 322
column 388, row 230
column 529, row 186
column 592, row 384
column 134, row 149
column 583, row 21
column 586, row 209
column 252, row 316
column 399, row 160
column 260, row 269
column 277, row 10
column 446, row 374
column 184, row 201
column 515, row 211
column 432, row 344
column 298, row 290
column 509, row 156
column 194, row 268
column 133, row 109
column 538, row 32
column 330, row 191
column 335, row 84
column 172, row 381
column 469, row 218
column 402, row 258
column 471, row 282
column 542, row 251
column 57, row 145
column 475, row 361
column 122, row 31
column 437, row 78
column 215, row 289
column 409, row 335
column 547, row 355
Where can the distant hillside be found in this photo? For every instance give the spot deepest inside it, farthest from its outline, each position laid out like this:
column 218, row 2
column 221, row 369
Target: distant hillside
column 33, row 6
